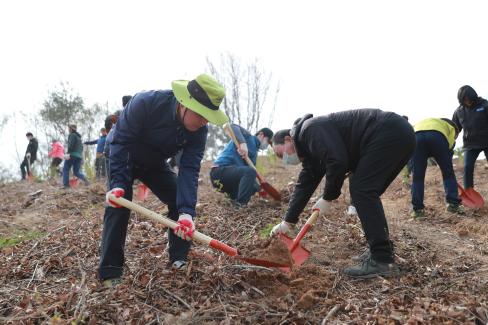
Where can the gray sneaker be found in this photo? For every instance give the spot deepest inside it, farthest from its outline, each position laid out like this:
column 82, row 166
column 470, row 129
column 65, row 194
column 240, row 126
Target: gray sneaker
column 370, row 269
column 364, row 256
column 455, row 208
column 179, row 265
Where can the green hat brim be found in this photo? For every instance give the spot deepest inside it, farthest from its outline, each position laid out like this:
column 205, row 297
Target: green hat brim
column 183, row 96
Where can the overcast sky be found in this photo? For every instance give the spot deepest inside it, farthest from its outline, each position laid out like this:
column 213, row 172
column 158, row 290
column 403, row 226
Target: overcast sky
column 410, row 57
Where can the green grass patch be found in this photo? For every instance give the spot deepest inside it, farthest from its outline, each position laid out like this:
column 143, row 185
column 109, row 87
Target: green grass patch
column 264, row 233
column 20, row 237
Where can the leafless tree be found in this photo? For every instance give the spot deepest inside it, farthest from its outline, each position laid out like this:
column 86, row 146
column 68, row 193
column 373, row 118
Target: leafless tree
column 251, row 96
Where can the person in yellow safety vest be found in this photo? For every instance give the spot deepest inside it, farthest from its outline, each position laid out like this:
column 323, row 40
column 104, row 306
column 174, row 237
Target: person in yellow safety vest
column 435, row 138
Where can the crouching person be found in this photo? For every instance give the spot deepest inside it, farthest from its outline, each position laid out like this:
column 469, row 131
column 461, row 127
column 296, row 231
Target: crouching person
column 374, row 145
column 230, row 173
column 152, row 128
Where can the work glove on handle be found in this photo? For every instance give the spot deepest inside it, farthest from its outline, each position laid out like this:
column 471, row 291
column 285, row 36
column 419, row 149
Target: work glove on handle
column 67, row 156
column 117, row 192
column 185, row 227
column 283, row 227
column 242, row 150
column 27, row 155
column 322, row 206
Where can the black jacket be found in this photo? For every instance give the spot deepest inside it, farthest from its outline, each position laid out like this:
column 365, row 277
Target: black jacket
column 32, row 148
column 330, row 145
column 474, row 122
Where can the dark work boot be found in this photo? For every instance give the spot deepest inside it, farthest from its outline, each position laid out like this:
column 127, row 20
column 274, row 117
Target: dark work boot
column 369, row 268
column 363, row 256
column 455, row 208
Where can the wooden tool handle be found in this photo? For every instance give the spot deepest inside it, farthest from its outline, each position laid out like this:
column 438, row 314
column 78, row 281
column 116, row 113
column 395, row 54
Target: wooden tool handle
column 197, row 236
column 230, row 132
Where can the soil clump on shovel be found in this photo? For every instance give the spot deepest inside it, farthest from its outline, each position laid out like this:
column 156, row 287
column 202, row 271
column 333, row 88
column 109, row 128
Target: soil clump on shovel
column 272, row 250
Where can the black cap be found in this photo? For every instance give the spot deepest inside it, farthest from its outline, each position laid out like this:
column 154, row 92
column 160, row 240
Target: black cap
column 467, row 92
column 267, row 133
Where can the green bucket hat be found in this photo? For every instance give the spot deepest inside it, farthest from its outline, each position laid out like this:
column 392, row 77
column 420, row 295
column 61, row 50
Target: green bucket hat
column 203, row 96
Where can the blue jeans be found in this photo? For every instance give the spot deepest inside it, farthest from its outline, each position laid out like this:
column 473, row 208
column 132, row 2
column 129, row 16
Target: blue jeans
column 76, row 163
column 239, row 182
column 470, row 157
column 432, row 144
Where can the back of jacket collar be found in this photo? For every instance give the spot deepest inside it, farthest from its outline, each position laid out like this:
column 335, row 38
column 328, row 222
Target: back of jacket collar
column 295, row 133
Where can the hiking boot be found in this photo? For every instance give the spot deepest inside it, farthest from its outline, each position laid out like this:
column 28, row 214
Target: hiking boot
column 369, row 268
column 179, row 265
column 455, row 208
column 418, row 214
column 363, row 257
column 110, row 283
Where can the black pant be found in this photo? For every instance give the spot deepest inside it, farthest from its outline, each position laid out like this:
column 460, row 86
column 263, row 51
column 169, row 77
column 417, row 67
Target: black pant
column 162, row 182
column 100, row 165
column 24, row 167
column 382, row 158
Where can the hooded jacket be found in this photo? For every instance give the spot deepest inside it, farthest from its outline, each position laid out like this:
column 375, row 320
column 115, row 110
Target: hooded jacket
column 32, row 148
column 147, row 133
column 329, row 145
column 75, row 146
column 57, row 150
column 472, row 120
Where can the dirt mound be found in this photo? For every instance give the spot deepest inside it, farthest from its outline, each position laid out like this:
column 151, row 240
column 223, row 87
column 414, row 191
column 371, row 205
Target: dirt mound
column 272, row 250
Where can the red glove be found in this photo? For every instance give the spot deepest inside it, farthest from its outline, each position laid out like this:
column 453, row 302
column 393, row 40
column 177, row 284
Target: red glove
column 185, row 227
column 117, row 192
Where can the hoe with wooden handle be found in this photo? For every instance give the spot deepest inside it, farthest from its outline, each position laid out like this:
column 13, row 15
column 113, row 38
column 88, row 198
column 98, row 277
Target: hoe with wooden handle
column 197, row 236
column 265, row 185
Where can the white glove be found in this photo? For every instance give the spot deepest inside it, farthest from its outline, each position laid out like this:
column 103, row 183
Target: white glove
column 242, row 150
column 28, row 155
column 117, row 192
column 322, row 206
column 67, row 156
column 185, row 227
column 283, row 228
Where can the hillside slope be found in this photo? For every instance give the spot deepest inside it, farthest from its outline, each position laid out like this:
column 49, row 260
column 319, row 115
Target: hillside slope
column 52, row 277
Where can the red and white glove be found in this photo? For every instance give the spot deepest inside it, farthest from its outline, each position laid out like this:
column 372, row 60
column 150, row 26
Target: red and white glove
column 117, row 192
column 67, row 156
column 185, row 227
column 322, row 206
column 242, row 150
column 283, row 227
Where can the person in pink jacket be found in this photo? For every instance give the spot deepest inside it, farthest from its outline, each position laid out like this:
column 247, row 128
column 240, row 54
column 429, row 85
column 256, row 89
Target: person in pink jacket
column 57, row 155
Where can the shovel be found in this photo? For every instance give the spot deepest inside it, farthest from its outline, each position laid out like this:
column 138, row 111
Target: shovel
column 74, row 182
column 298, row 252
column 197, row 236
column 470, row 198
column 30, row 176
column 265, row 185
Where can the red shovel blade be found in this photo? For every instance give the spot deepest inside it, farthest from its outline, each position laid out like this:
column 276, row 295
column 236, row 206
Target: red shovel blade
column 142, row 192
column 271, row 191
column 470, row 198
column 298, row 253
column 73, row 182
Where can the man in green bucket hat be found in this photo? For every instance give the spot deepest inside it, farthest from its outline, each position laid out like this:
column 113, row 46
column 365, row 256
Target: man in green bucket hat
column 154, row 126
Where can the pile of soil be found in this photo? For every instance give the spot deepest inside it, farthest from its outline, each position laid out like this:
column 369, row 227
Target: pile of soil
column 272, row 250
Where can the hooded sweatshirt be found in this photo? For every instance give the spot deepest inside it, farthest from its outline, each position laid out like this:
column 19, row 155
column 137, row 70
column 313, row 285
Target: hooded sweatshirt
column 472, row 120
column 75, row 146
column 330, row 145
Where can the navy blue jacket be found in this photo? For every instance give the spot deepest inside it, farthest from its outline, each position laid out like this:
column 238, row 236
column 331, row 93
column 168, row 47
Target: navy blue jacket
column 147, row 133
